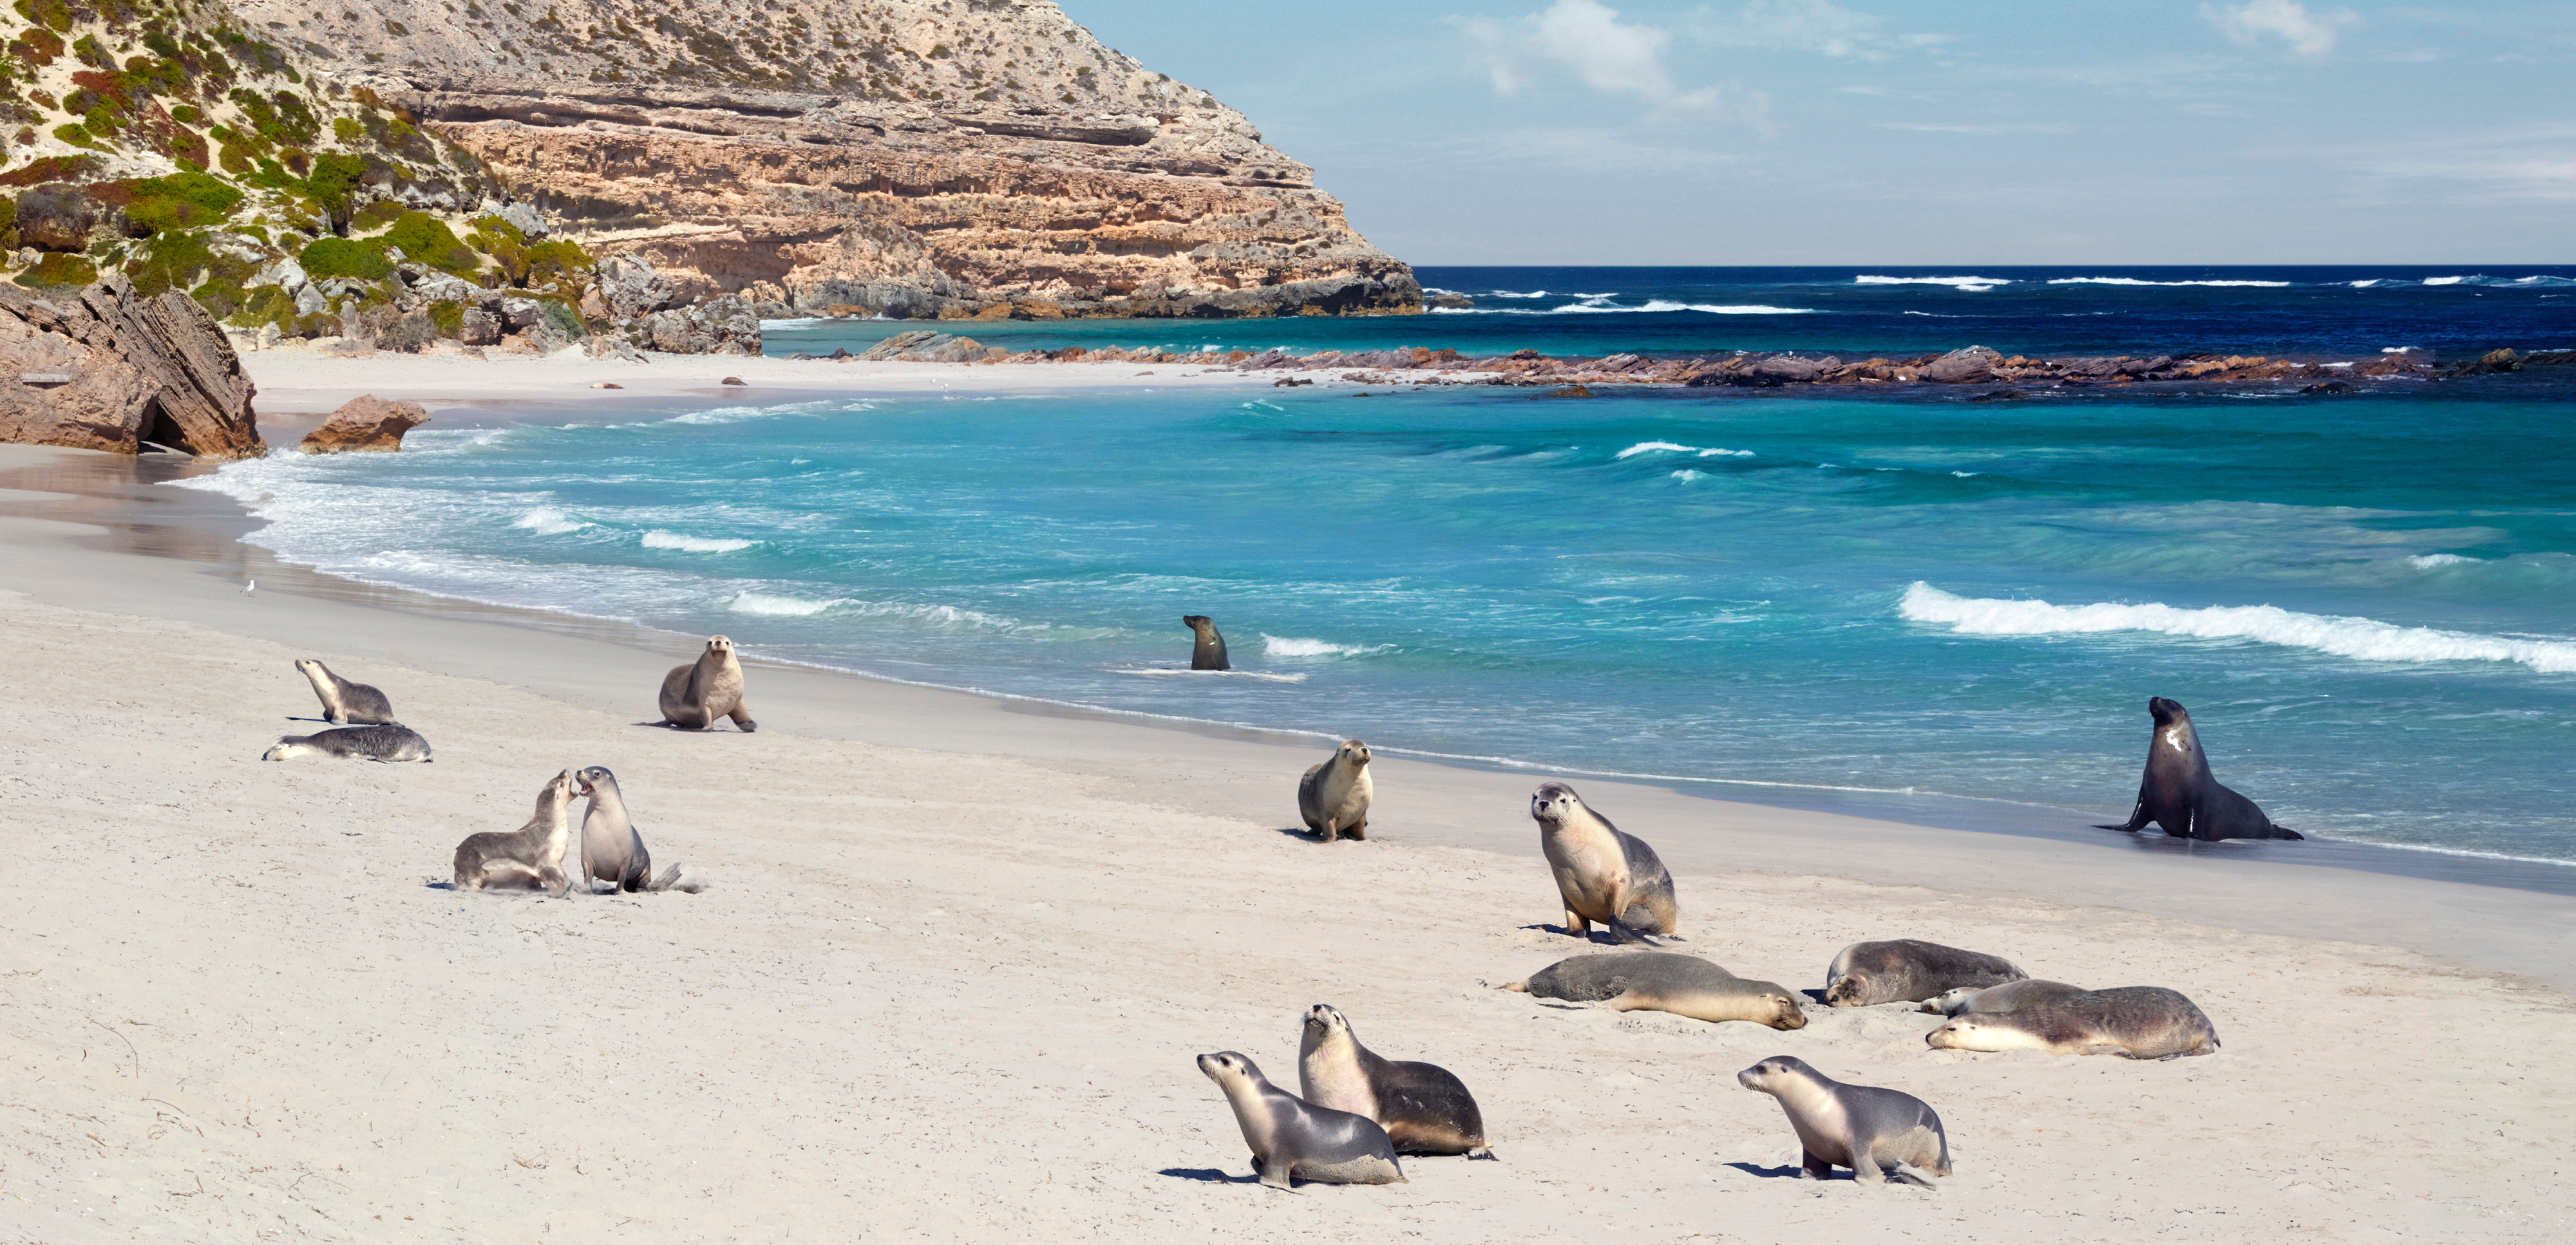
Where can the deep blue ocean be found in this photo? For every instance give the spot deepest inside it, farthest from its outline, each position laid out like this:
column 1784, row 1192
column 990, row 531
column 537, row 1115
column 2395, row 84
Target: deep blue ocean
column 2368, row 602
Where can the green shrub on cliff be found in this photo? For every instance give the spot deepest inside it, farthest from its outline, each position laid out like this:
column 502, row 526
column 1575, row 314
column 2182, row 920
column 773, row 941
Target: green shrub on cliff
column 181, row 200
column 58, row 269
column 339, row 257
column 428, row 240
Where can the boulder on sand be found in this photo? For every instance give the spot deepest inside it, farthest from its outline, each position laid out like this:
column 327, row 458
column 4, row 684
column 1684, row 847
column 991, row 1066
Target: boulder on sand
column 109, row 369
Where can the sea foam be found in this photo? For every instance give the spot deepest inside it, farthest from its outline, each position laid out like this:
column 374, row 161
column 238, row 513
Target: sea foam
column 2364, row 639
column 1649, row 447
column 2269, row 285
column 548, row 521
column 693, row 544
column 778, row 605
column 1973, row 285
column 1291, row 646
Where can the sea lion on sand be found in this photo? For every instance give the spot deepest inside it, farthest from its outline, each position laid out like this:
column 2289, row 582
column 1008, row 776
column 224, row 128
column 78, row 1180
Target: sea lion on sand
column 1292, row 1137
column 1334, row 797
column 2179, row 794
column 1602, row 873
column 528, row 858
column 2010, row 996
column 1862, row 1127
column 694, row 696
column 353, row 743
column 611, row 848
column 1424, row 1108
column 2135, row 1022
column 345, row 703
column 1909, row 970
column 1661, row 981
column 1209, row 652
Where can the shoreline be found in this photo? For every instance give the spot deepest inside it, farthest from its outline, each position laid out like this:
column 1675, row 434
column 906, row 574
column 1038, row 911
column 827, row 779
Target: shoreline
column 2079, row 862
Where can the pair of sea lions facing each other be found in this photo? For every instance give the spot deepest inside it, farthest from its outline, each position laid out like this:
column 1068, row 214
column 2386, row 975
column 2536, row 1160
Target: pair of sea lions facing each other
column 696, row 695
column 1602, row 872
column 532, row 856
column 1357, row 1113
column 2179, row 794
column 1662, row 981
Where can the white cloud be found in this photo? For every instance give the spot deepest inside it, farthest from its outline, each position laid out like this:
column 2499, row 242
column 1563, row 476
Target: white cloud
column 2309, row 35
column 1587, row 38
column 1796, row 25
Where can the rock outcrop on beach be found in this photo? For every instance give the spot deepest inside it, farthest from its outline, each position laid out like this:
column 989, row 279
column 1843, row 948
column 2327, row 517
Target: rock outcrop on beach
column 107, row 368
column 911, row 158
column 366, row 423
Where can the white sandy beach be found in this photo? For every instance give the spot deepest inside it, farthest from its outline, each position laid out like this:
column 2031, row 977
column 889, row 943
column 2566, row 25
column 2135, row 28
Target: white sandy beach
column 957, row 955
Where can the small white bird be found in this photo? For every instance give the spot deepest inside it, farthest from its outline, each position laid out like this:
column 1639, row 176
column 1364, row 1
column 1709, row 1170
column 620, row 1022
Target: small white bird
column 246, row 588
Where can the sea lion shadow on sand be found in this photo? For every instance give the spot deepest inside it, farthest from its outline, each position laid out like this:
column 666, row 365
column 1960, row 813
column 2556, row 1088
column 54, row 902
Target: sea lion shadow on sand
column 1611, row 936
column 1206, row 1175
column 1786, row 1171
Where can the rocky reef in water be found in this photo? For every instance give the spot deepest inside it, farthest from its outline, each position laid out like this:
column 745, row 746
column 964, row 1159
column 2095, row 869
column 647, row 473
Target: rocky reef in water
column 927, row 159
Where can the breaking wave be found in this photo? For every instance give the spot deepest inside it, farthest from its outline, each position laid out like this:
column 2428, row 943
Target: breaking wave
column 2269, row 285
column 1973, row 285
column 658, row 539
column 1649, row 447
column 548, row 521
column 1290, row 646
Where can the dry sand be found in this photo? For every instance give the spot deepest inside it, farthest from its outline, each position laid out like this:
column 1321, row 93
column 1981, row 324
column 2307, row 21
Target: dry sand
column 957, row 956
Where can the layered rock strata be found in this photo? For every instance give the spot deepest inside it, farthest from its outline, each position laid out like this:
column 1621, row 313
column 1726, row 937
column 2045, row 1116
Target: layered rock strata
column 367, row 424
column 909, row 158
column 110, row 369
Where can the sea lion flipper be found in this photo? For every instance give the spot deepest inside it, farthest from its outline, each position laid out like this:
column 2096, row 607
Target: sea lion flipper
column 1518, row 987
column 1483, row 1152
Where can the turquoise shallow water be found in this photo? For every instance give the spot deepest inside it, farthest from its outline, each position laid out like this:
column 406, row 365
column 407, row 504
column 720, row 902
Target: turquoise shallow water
column 2365, row 602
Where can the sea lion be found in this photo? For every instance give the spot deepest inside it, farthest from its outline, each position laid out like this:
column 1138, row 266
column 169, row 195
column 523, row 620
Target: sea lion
column 345, row 703
column 2010, row 996
column 353, row 743
column 1334, row 797
column 2179, row 794
column 528, row 858
column 611, row 848
column 1909, row 970
column 1602, row 873
column 694, row 696
column 1424, row 1108
column 1209, row 652
column 1661, row 981
column 1291, row 1137
column 1863, row 1127
column 2135, row 1022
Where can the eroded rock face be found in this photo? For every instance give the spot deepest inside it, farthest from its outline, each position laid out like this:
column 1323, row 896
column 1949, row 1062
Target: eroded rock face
column 110, row 370
column 365, row 423
column 910, row 158
column 723, row 325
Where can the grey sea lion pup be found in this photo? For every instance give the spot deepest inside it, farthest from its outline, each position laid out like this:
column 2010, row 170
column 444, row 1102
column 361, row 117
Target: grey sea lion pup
column 2010, row 996
column 1909, row 970
column 694, row 696
column 2179, row 794
column 1661, row 981
column 1209, row 652
column 1424, row 1108
column 1863, row 1127
column 2135, row 1022
column 611, row 848
column 345, row 703
column 353, row 743
column 1602, row 873
column 1291, row 1137
column 1334, row 797
column 528, row 858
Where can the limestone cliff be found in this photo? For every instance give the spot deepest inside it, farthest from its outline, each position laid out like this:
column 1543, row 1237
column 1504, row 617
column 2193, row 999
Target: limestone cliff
column 906, row 157
column 107, row 368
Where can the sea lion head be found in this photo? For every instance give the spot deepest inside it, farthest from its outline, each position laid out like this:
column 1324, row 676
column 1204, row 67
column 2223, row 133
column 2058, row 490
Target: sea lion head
column 312, row 669
column 1227, row 1066
column 2167, row 712
column 1354, row 753
column 286, row 746
column 1970, row 1032
column 1843, row 991
column 1553, row 802
column 1769, row 1075
column 559, row 790
column 1198, row 622
column 1323, row 1020
column 1785, row 1013
column 590, row 778
column 719, row 645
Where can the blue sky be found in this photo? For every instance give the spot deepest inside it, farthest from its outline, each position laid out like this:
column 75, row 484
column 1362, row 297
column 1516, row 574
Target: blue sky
column 1818, row 131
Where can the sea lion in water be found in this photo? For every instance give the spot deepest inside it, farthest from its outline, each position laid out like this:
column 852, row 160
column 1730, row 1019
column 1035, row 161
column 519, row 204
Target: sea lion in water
column 2010, row 996
column 1863, row 1127
column 353, row 743
column 1661, row 981
column 611, row 848
column 694, row 696
column 2135, row 1022
column 1602, row 873
column 1209, row 652
column 345, row 703
column 528, row 858
column 1292, row 1137
column 2179, row 794
column 1909, row 970
column 1424, row 1108
column 1334, row 797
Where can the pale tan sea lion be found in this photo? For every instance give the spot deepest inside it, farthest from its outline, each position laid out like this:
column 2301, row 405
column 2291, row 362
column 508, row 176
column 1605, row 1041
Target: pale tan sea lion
column 353, row 743
column 345, row 703
column 1291, row 1137
column 528, row 858
column 1863, row 1127
column 1424, row 1108
column 1909, row 970
column 1661, row 981
column 2134, row 1022
column 694, row 696
column 1334, row 797
column 1602, row 873
column 612, row 849
column 2010, row 996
